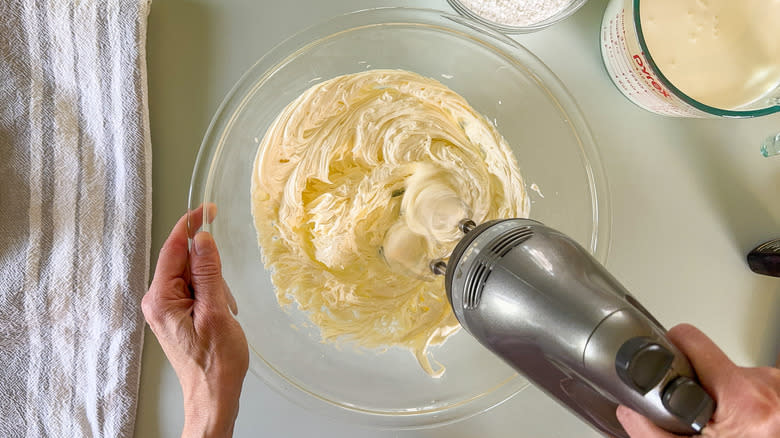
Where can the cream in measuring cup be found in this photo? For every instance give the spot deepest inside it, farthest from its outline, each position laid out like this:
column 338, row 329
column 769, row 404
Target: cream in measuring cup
column 695, row 58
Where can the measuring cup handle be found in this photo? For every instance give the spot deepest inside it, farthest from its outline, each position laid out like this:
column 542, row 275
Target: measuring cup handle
column 771, row 146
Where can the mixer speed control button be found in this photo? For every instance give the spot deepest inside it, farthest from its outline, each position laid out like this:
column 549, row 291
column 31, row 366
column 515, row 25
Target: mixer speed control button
column 642, row 364
column 685, row 398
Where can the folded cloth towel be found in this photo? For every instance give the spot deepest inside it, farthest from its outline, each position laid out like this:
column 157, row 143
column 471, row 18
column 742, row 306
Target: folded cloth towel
column 75, row 170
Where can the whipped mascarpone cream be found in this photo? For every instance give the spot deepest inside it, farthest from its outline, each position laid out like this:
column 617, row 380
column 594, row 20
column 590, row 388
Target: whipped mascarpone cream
column 358, row 184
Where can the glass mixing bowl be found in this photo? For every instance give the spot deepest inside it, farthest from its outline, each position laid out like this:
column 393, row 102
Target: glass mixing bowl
column 499, row 78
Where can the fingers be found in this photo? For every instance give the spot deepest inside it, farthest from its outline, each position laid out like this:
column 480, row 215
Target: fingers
column 163, row 304
column 711, row 364
column 206, row 273
column 207, row 211
column 172, row 261
column 638, row 426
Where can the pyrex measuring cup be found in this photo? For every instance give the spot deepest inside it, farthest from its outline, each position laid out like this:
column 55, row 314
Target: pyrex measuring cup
column 631, row 67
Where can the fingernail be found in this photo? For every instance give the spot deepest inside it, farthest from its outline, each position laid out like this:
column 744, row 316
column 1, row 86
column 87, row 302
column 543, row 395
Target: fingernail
column 203, row 244
column 622, row 413
column 212, row 211
column 232, row 303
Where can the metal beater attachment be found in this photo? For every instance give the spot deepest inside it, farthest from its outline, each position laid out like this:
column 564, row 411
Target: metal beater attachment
column 466, row 225
column 439, row 266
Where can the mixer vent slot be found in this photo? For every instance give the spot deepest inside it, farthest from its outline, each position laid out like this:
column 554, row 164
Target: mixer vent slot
column 474, row 285
column 510, row 240
column 479, row 273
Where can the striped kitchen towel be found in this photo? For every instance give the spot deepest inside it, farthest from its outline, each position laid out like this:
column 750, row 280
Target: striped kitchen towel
column 75, row 199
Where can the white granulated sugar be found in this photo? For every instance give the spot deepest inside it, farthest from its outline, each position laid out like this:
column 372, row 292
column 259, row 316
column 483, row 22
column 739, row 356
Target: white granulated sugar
column 516, row 12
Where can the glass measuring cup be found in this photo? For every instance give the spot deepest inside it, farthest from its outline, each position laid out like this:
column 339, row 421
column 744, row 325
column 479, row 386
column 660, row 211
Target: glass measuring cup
column 631, row 67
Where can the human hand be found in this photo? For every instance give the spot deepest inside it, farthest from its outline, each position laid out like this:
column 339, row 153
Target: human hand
column 747, row 399
column 188, row 308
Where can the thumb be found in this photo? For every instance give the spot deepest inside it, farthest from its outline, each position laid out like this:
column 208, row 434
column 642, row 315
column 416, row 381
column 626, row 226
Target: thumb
column 206, row 271
column 638, row 426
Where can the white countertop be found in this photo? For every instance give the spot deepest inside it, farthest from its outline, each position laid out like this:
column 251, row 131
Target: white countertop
column 689, row 198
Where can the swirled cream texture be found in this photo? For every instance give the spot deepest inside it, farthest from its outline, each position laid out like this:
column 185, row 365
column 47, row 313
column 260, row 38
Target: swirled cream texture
column 358, row 184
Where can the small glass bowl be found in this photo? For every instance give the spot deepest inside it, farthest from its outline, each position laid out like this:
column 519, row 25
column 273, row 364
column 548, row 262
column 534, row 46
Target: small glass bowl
column 508, row 29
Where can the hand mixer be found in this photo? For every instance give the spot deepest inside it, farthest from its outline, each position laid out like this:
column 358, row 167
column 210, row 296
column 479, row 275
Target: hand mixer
column 541, row 302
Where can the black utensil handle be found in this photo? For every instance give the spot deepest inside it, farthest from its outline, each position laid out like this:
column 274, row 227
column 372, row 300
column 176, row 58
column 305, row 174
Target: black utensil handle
column 765, row 258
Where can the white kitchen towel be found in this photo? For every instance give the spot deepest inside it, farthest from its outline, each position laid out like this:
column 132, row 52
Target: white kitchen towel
column 75, row 200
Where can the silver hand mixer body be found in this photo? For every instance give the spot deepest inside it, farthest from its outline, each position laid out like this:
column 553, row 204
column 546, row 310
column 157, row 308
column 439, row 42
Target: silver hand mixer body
column 541, row 302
